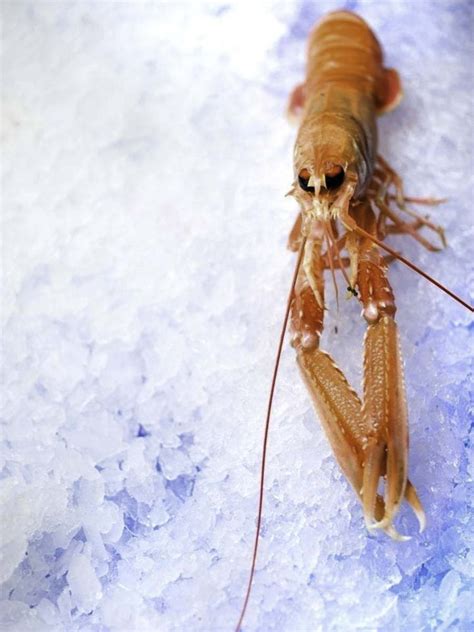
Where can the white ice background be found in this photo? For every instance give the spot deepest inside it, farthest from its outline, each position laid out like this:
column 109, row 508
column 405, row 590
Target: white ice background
column 145, row 161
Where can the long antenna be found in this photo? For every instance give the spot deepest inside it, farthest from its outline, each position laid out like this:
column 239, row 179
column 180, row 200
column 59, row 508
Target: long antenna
column 265, row 436
column 411, row 265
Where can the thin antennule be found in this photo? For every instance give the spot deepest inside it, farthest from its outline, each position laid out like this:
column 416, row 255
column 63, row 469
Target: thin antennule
column 331, row 263
column 338, row 254
column 411, row 265
column 265, row 436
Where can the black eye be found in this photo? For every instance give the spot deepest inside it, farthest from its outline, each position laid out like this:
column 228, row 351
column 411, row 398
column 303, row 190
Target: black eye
column 335, row 180
column 303, row 180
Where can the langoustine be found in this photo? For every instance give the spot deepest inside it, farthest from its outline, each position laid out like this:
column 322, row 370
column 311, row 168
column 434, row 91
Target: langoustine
column 338, row 181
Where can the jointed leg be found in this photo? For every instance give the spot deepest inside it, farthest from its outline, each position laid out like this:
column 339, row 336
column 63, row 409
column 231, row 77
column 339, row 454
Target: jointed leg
column 307, row 313
column 387, row 176
column 367, row 441
column 338, row 406
column 384, row 409
column 409, row 228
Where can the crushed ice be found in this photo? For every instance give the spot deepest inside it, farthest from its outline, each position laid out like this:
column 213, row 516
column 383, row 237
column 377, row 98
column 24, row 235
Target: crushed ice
column 145, row 277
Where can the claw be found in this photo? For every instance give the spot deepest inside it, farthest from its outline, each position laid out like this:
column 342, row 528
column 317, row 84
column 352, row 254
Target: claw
column 385, row 414
column 340, row 411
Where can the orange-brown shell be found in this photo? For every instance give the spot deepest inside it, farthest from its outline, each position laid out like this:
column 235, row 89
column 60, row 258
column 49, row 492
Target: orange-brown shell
column 346, row 86
column 343, row 49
